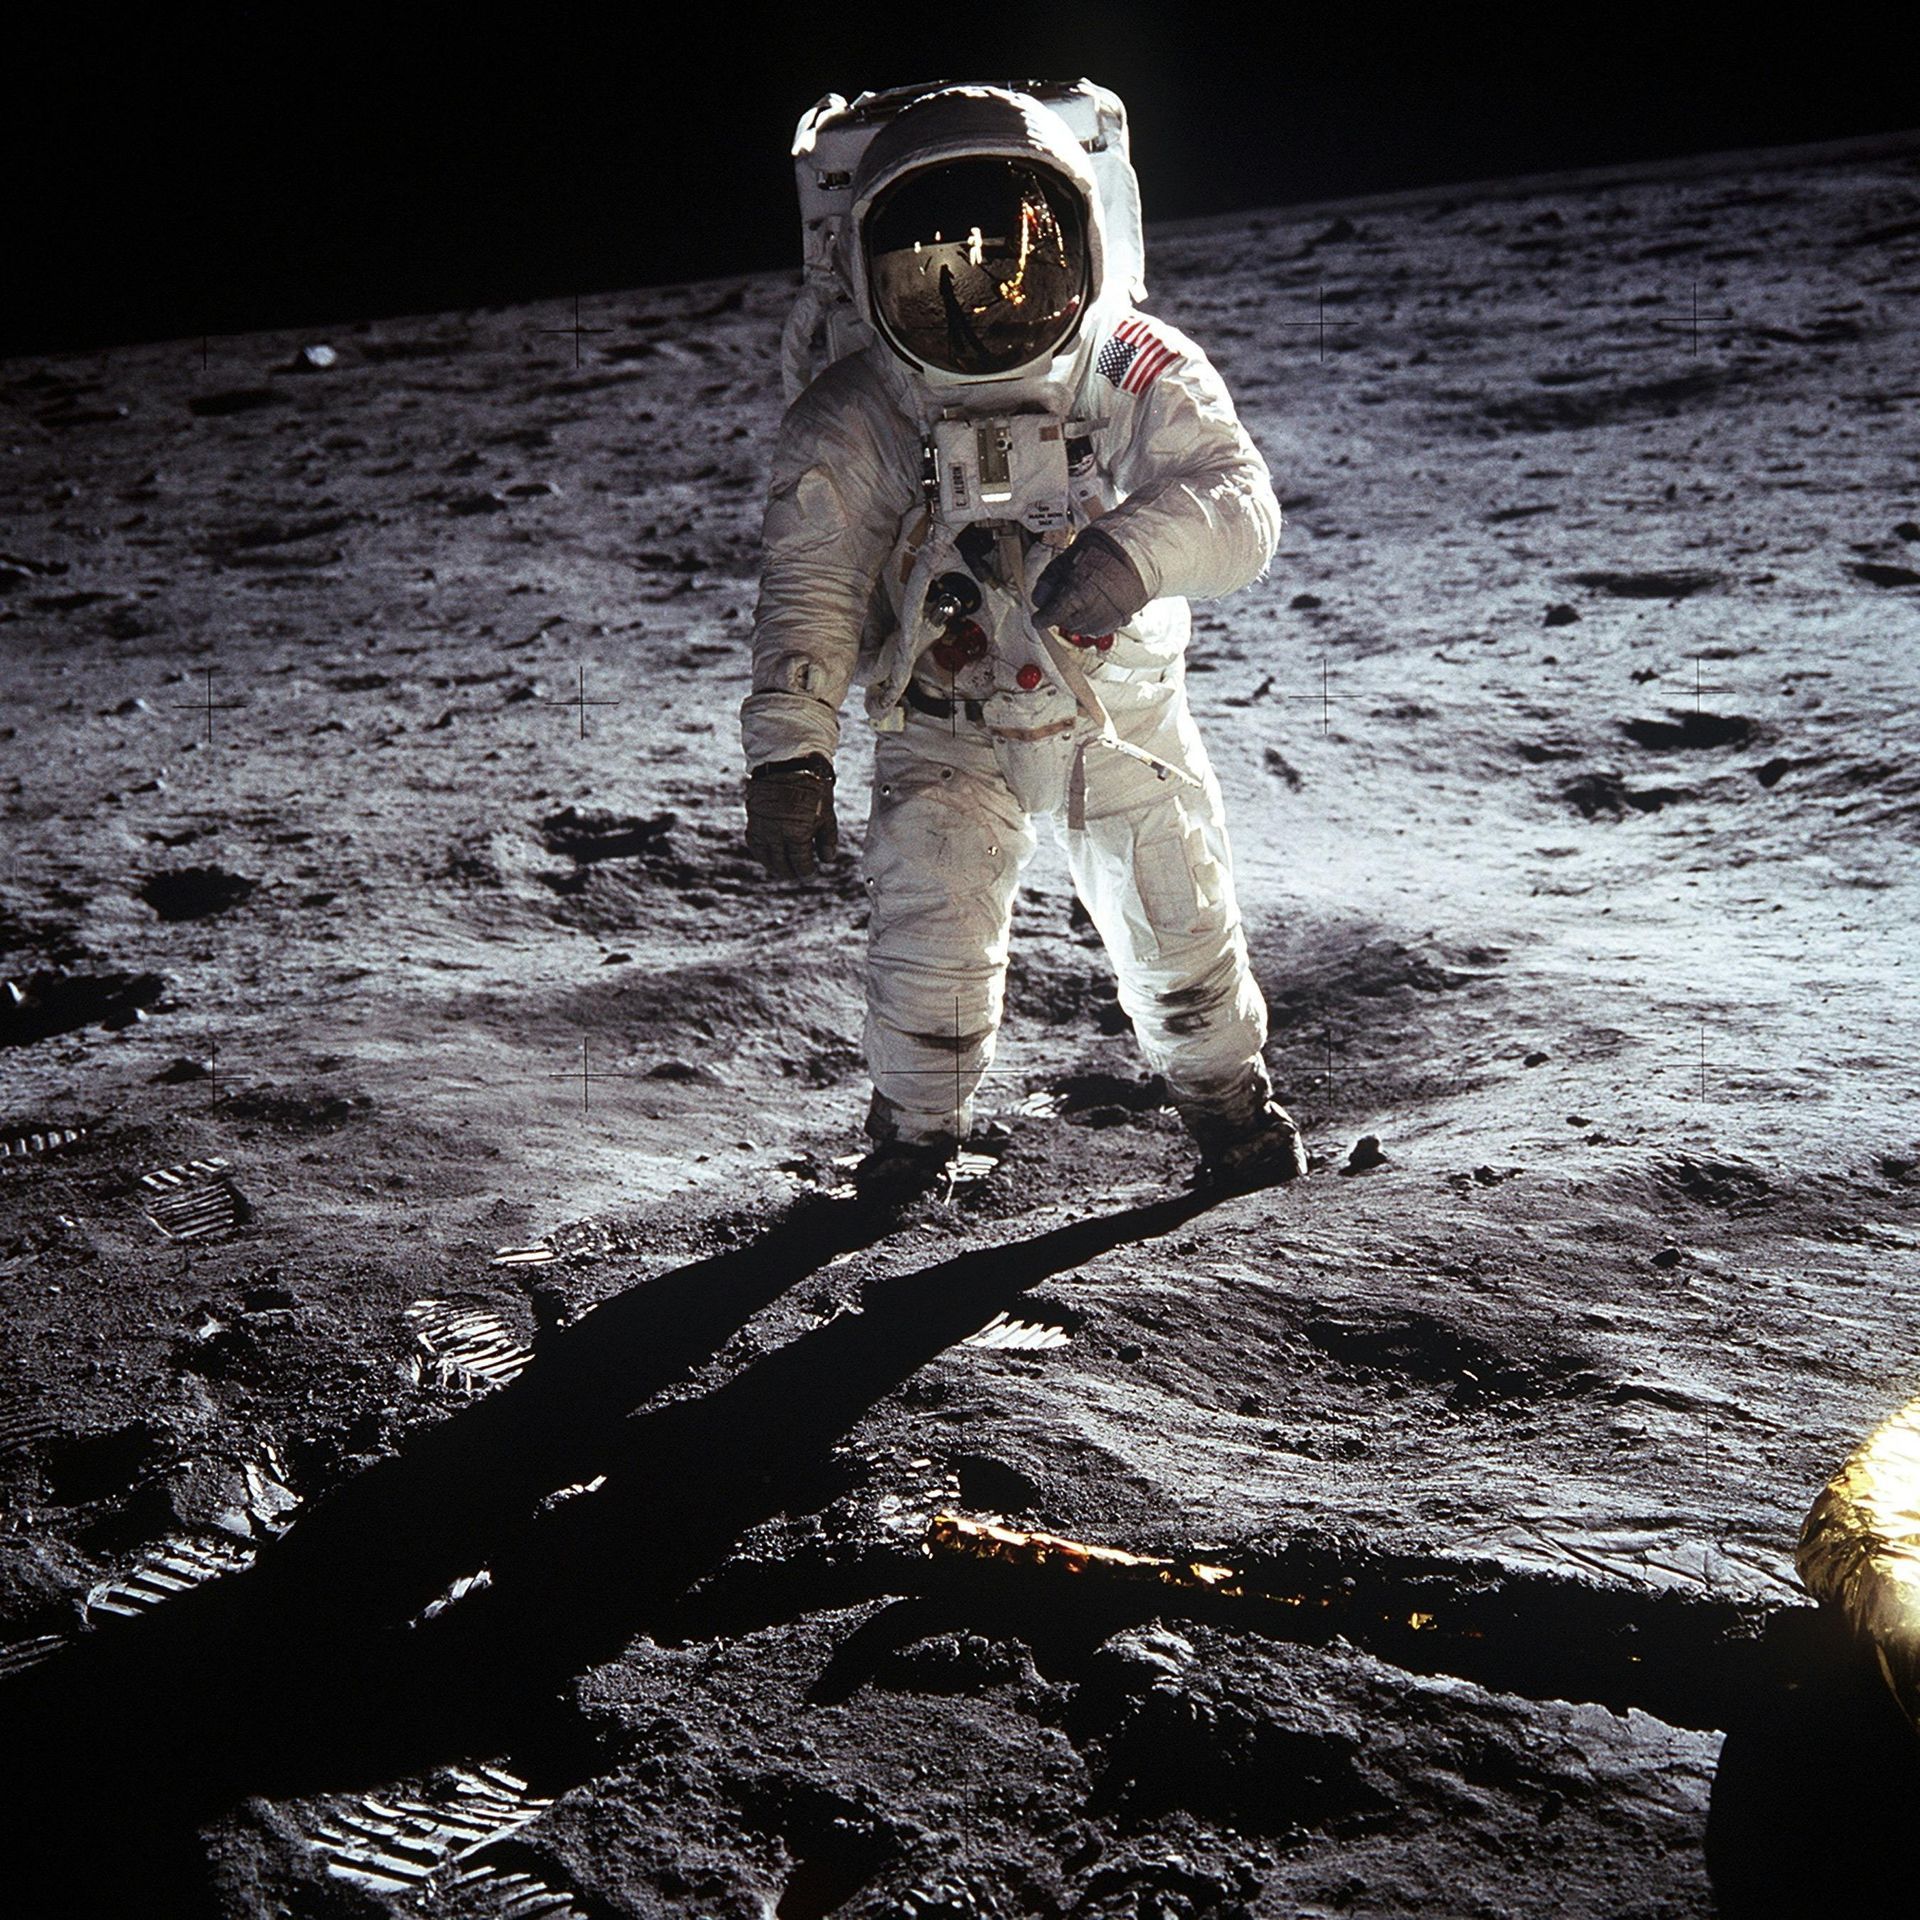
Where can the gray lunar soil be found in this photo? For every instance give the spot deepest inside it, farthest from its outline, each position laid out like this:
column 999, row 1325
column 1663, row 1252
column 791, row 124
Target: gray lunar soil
column 372, row 830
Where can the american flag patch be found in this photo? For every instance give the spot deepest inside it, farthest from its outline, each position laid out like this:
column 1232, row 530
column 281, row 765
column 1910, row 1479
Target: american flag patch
column 1135, row 357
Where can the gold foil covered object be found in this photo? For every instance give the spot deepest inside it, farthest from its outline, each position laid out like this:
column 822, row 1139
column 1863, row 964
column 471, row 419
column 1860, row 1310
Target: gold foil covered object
column 1860, row 1550
column 952, row 1533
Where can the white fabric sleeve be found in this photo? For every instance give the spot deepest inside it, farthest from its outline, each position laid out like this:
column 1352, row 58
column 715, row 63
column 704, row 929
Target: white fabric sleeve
column 832, row 518
column 1200, row 517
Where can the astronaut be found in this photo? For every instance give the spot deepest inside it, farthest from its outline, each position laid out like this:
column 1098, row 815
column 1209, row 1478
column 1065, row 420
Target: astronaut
column 994, row 516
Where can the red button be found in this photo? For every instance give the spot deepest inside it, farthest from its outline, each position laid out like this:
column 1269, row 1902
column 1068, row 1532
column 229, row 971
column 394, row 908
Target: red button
column 1029, row 676
column 962, row 642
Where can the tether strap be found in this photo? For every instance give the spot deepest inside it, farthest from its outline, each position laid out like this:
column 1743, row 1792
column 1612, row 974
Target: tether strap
column 917, row 697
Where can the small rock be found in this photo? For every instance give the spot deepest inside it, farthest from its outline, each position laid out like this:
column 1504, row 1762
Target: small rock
column 1560, row 615
column 677, row 1070
column 1366, row 1155
column 1876, row 574
column 616, row 960
column 1668, row 1257
column 1305, row 602
column 1278, row 763
column 1131, row 1352
column 1908, row 529
column 1536, row 1059
column 181, row 1071
column 1133, row 1660
column 314, row 359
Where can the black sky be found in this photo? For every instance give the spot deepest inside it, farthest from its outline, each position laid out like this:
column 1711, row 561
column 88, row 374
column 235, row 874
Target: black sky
column 216, row 169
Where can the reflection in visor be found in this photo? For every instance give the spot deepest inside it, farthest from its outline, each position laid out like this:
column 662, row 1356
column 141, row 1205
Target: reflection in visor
column 980, row 266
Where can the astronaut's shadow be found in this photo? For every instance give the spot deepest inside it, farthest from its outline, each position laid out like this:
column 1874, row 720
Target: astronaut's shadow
column 302, row 1675
column 1815, row 1794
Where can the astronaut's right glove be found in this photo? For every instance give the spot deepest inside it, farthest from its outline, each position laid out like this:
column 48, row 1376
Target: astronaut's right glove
column 1093, row 587
column 790, row 815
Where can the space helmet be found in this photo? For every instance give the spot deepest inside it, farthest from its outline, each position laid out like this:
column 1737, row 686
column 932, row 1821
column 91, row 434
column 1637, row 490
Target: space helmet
column 978, row 266
column 979, row 236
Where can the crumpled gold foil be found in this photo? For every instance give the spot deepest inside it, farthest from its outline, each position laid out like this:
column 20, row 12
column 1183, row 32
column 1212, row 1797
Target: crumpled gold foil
column 1860, row 1550
column 953, row 1533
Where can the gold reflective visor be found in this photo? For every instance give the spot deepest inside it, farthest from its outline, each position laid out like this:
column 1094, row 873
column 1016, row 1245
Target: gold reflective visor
column 979, row 266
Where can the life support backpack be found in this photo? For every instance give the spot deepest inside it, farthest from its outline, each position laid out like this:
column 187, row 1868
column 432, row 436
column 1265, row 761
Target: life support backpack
column 824, row 325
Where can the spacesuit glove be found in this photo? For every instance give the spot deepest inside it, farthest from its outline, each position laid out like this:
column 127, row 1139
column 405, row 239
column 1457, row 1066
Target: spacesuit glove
column 1092, row 588
column 790, row 820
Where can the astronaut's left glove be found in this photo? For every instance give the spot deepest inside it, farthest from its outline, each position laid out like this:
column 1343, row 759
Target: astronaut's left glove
column 790, row 825
column 1092, row 588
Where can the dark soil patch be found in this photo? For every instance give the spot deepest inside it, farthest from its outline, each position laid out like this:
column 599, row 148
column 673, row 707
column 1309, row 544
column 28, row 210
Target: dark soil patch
column 1716, row 1183
column 1690, row 731
column 1253, row 1764
column 592, row 834
column 1431, row 1353
column 1563, row 408
column 1059, row 997
column 1381, row 972
column 1674, row 585
column 1596, row 793
column 1082, row 1092
column 195, row 893
column 214, row 406
column 84, row 1468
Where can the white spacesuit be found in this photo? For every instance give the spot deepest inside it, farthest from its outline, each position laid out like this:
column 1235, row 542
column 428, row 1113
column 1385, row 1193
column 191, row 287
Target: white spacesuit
column 994, row 515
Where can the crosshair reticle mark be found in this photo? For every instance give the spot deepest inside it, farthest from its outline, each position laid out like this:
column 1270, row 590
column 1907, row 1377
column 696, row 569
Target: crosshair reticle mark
column 581, row 701
column 1318, row 324
column 218, row 1080
column 1703, row 686
column 587, row 1075
column 1324, row 696
column 1326, row 1044
column 576, row 330
column 1690, row 326
column 958, row 1073
column 208, row 705
column 583, row 1076
column 213, row 1073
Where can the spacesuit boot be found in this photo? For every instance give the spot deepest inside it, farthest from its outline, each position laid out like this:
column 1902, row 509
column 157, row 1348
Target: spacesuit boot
column 898, row 1168
column 1242, row 1151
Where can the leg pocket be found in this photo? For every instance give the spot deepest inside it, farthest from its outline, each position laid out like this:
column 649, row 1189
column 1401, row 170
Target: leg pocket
column 1181, row 882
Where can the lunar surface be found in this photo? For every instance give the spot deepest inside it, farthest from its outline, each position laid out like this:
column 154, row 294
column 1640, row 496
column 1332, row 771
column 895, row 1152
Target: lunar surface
column 461, row 1454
